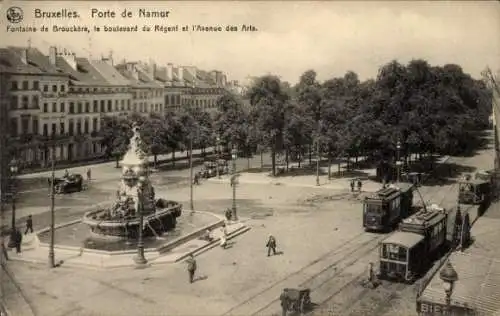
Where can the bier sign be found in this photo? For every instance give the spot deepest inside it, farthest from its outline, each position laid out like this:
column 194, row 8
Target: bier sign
column 429, row 308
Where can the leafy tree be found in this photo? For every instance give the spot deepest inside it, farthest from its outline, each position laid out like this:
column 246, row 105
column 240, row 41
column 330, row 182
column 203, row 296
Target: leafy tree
column 269, row 101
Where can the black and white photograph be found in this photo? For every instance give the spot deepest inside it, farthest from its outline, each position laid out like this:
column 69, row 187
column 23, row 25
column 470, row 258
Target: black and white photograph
column 249, row 158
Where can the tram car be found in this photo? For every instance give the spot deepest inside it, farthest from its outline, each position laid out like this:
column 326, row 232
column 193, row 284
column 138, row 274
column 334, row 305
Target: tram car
column 474, row 191
column 67, row 184
column 408, row 253
column 386, row 207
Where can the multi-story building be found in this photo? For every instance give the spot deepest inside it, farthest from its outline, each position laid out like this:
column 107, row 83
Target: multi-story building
column 54, row 103
column 147, row 94
column 4, row 120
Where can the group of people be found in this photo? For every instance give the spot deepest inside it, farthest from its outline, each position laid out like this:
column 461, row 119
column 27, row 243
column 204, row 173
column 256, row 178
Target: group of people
column 359, row 184
column 18, row 237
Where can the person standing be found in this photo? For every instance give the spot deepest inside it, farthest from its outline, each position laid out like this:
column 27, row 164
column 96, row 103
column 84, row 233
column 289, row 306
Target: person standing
column 223, row 237
column 271, row 245
column 191, row 268
column 29, row 224
column 18, row 240
column 89, row 174
column 66, row 173
column 4, row 249
column 284, row 302
column 352, row 185
column 360, row 184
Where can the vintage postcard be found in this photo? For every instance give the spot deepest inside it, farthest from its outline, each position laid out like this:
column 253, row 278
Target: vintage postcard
column 249, row 158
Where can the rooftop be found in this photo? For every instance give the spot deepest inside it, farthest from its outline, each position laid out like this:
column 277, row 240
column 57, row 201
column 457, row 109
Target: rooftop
column 109, row 73
column 478, row 285
column 84, row 72
column 11, row 61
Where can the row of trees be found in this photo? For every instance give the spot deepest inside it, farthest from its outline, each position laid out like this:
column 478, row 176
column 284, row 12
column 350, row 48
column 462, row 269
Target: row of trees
column 423, row 108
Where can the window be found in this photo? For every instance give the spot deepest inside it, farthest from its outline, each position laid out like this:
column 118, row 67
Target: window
column 54, row 88
column 26, row 85
column 34, row 126
column 78, row 127
column 35, row 102
column 25, row 102
column 63, row 107
column 54, row 107
column 45, row 88
column 62, row 88
column 61, row 128
column 25, row 125
column 14, row 85
column 71, row 107
column 96, row 106
column 13, row 128
column 128, row 106
column 45, row 130
column 71, row 127
column 79, row 107
column 86, row 126
column 54, row 129
column 94, row 124
column 14, row 102
column 103, row 104
column 110, row 106
column 373, row 208
column 45, row 107
column 122, row 103
column 177, row 99
column 36, row 85
column 116, row 105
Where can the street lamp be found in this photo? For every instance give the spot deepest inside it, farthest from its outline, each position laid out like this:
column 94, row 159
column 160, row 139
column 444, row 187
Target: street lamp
column 191, row 180
column 52, row 262
column 13, row 172
column 398, row 147
column 234, row 153
column 217, row 144
column 140, row 259
column 449, row 276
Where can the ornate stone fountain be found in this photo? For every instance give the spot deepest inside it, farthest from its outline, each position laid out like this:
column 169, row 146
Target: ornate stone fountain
column 135, row 193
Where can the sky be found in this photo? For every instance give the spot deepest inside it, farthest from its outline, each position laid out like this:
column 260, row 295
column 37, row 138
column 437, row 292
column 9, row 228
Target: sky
column 330, row 37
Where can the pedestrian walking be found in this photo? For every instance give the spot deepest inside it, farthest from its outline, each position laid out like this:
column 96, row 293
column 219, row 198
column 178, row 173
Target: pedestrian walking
column 66, row 173
column 271, row 245
column 223, row 238
column 18, row 240
column 360, row 184
column 284, row 302
column 352, row 185
column 4, row 248
column 191, row 268
column 228, row 214
column 196, row 178
column 89, row 174
column 29, row 224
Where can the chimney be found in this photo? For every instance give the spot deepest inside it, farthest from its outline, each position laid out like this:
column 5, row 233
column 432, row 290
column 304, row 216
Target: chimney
column 24, row 55
column 218, row 78
column 169, row 71
column 70, row 58
column 224, row 79
column 154, row 70
column 213, row 75
column 52, row 55
column 180, row 73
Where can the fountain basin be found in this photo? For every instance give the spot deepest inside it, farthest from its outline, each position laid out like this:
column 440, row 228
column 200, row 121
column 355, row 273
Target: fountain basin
column 163, row 219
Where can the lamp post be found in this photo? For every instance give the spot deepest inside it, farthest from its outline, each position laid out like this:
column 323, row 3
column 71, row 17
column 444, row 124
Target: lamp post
column 234, row 153
column 398, row 147
column 317, row 162
column 449, row 276
column 140, row 259
column 217, row 144
column 52, row 262
column 191, row 172
column 13, row 172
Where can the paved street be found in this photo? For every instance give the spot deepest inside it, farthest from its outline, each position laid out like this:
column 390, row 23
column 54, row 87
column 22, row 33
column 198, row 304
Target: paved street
column 318, row 231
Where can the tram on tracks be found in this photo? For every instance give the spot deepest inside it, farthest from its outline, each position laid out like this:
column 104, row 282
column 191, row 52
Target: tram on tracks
column 408, row 253
column 385, row 208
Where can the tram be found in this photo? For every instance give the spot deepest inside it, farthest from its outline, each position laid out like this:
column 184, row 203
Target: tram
column 386, row 207
column 421, row 238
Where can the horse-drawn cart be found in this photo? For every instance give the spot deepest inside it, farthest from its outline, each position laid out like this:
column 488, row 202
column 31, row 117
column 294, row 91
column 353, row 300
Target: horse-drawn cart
column 296, row 300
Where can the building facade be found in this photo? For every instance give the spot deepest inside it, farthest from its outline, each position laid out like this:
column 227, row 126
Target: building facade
column 55, row 102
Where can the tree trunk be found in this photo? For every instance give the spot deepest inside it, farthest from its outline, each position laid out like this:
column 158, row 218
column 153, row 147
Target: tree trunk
column 117, row 159
column 173, row 157
column 286, row 159
column 356, row 159
column 310, row 155
column 329, row 166
column 155, row 161
column 273, row 161
column 338, row 166
column 300, row 159
column 261, row 160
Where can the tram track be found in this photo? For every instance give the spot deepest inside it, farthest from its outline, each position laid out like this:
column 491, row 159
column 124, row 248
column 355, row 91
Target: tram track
column 345, row 251
column 329, row 278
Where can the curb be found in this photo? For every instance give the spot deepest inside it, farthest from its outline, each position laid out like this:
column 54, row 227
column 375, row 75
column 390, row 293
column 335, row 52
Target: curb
column 213, row 243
